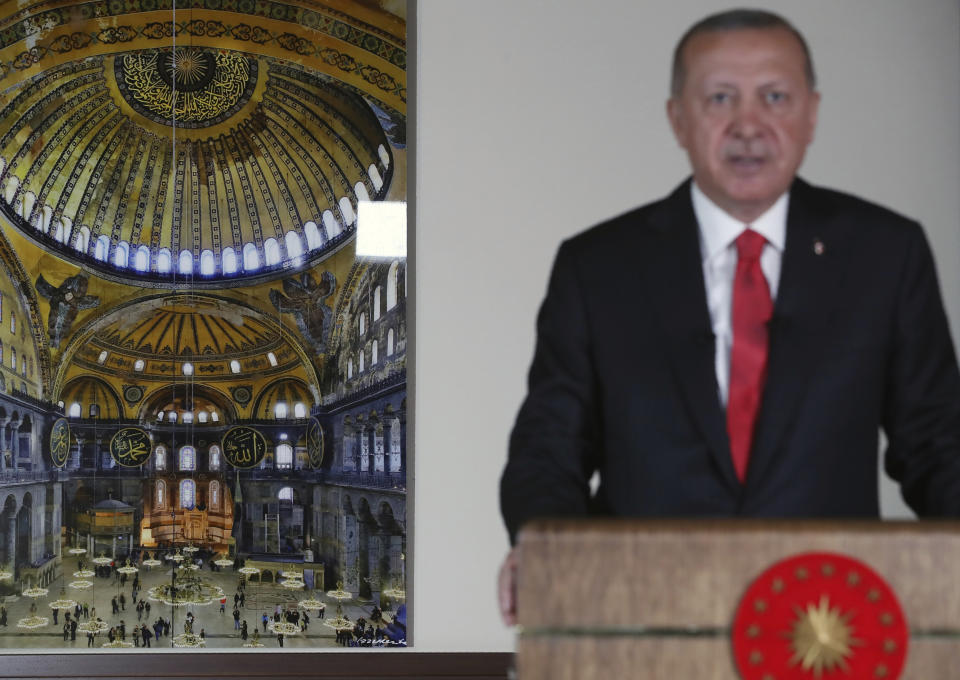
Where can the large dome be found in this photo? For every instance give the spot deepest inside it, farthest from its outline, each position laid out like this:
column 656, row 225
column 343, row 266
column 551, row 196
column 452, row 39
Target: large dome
column 188, row 165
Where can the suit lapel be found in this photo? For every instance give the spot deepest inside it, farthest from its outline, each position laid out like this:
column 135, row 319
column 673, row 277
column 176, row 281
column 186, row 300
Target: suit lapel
column 813, row 262
column 676, row 283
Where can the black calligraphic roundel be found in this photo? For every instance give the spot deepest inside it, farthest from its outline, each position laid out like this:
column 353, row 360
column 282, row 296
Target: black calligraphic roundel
column 315, row 442
column 244, row 447
column 130, row 447
column 60, row 442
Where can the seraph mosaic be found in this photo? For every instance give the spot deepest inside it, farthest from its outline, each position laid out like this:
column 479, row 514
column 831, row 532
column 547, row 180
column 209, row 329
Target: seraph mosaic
column 203, row 382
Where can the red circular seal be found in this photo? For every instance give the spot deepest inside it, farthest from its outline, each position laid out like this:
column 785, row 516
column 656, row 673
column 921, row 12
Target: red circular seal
column 819, row 615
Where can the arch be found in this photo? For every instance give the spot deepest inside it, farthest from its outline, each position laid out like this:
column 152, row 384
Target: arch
column 88, row 390
column 121, row 254
column 294, row 244
column 75, row 410
column 349, row 369
column 187, row 459
column 251, row 258
column 376, row 302
column 229, row 259
column 330, row 224
column 102, row 248
column 188, row 494
column 375, row 177
column 313, row 235
column 392, row 284
column 280, row 410
column 373, row 353
column 299, row 410
column 172, row 398
column 164, row 261
column 361, row 192
column 185, row 262
column 160, row 455
column 214, row 495
column 384, row 155
column 285, row 494
column 207, row 266
column 288, row 390
column 213, row 453
column 283, row 456
column 83, row 239
column 390, row 342
column 346, row 209
column 271, row 252
column 360, row 362
column 141, row 262
column 160, row 494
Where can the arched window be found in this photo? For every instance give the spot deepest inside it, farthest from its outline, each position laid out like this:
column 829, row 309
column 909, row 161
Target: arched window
column 251, row 259
column 160, row 495
column 214, row 416
column 83, row 239
column 188, row 458
column 74, row 410
column 214, row 462
column 188, row 494
column 172, row 417
column 376, row 303
column 346, row 209
column 390, row 343
column 294, row 244
column 349, row 368
column 138, row 365
column 313, row 235
column 23, row 368
column 285, row 494
column 164, row 261
column 373, row 353
column 392, row 274
column 13, row 323
column 160, row 455
column 330, row 224
column 202, row 416
column 94, row 410
column 188, row 416
column 185, row 263
column 102, row 359
column 207, row 266
column 361, row 191
column 102, row 248
column 280, row 410
column 360, row 362
column 284, row 453
column 214, row 494
column 187, row 368
column 229, row 258
column 121, row 254
column 234, row 366
column 362, row 323
column 299, row 410
column 142, row 260
column 13, row 358
column 272, row 358
column 271, row 251
column 384, row 156
column 375, row 177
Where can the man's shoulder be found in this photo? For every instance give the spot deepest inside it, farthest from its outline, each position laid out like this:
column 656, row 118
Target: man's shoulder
column 850, row 210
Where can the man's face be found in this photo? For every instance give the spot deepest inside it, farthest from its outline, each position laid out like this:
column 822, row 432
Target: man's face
column 745, row 116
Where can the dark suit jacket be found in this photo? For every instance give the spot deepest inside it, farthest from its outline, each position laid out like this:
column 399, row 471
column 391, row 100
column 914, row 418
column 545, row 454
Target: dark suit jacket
column 623, row 378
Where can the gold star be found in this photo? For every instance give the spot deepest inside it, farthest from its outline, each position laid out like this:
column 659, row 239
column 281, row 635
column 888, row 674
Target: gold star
column 822, row 638
column 756, row 657
column 801, row 573
column 767, row 676
column 880, row 671
column 886, row 619
column 853, row 578
column 827, row 569
column 753, row 631
column 873, row 595
column 760, row 605
column 889, row 646
column 777, row 586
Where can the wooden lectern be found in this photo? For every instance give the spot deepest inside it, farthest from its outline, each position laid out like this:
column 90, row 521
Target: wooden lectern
column 610, row 599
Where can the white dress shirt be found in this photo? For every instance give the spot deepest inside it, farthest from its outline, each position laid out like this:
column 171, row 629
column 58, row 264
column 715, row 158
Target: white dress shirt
column 718, row 235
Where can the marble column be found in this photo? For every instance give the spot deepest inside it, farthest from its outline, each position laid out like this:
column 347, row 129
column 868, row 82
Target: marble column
column 371, row 446
column 403, row 444
column 12, row 539
column 387, row 444
column 357, row 448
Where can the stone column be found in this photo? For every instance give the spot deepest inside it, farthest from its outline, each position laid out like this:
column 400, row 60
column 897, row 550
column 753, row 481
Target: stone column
column 371, row 446
column 387, row 444
column 403, row 444
column 12, row 540
column 76, row 454
column 15, row 443
column 357, row 448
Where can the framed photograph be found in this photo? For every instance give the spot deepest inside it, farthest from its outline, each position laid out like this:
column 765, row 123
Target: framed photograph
column 203, row 334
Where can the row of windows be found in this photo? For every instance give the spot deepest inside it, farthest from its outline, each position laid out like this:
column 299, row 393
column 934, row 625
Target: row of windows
column 188, row 494
column 186, row 368
column 374, row 355
column 26, row 366
column 393, row 275
column 187, row 457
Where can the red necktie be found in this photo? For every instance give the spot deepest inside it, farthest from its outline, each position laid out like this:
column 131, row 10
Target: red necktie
column 752, row 309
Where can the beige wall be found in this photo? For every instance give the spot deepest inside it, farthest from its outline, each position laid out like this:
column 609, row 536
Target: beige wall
column 538, row 118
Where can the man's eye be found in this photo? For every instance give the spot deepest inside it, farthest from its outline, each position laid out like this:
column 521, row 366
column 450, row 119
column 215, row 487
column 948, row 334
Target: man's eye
column 719, row 98
column 776, row 97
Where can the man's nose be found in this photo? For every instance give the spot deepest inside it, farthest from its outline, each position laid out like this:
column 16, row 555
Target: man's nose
column 747, row 120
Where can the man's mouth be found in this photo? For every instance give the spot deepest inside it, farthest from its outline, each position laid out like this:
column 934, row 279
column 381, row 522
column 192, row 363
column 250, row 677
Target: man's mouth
column 746, row 164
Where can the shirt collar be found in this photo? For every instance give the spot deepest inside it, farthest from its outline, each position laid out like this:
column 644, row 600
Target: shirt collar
column 718, row 229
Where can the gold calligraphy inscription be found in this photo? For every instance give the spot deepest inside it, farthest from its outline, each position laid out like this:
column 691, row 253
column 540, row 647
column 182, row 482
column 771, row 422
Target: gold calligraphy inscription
column 244, row 447
column 60, row 442
column 191, row 86
column 130, row 447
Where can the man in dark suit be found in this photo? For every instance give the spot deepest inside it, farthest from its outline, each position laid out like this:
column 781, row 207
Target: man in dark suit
column 733, row 349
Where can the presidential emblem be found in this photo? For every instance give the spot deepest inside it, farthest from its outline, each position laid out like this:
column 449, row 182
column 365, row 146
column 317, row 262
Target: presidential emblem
column 819, row 615
column 60, row 442
column 130, row 447
column 244, row 447
column 315, row 442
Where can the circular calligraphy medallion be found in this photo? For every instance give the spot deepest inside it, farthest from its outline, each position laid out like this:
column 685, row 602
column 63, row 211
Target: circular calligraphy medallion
column 60, row 442
column 819, row 615
column 315, row 442
column 243, row 447
column 130, row 447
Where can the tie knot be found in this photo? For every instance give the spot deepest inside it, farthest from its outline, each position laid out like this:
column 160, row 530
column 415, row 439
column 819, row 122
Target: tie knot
column 750, row 244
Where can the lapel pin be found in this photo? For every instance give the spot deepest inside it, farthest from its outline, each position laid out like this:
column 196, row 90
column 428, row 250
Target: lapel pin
column 818, row 246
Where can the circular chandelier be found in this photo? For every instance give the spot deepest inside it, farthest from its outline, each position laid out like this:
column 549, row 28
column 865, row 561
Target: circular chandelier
column 248, row 571
column 176, row 557
column 35, row 592
column 95, row 626
column 186, row 589
column 339, row 594
column 83, row 573
column 254, row 640
column 339, row 622
column 116, row 644
column 224, row 561
column 31, row 622
column 81, row 584
column 292, row 583
column 396, row 591
column 152, row 563
column 312, row 603
column 127, row 569
column 284, row 628
column 190, row 549
column 62, row 602
column 77, row 551
column 102, row 560
column 188, row 640
column 5, row 575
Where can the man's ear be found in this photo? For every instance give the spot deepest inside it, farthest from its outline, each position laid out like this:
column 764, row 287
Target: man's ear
column 675, row 116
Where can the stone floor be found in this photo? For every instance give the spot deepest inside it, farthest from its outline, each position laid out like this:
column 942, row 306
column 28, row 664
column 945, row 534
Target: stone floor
column 218, row 628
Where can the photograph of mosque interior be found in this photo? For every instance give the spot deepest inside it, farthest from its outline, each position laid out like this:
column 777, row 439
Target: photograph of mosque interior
column 203, row 409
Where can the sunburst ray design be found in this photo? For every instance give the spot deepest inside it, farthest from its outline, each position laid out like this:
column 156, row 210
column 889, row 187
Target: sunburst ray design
column 822, row 638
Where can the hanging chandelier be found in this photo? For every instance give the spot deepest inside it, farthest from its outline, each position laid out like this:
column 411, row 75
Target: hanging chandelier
column 312, row 603
column 102, row 560
column 117, row 644
column 176, row 557
column 292, row 583
column 188, row 640
column 81, row 584
column 62, row 602
column 339, row 594
column 96, row 626
column 254, row 640
column 224, row 561
column 35, row 592
column 284, row 628
column 31, row 622
column 186, row 589
column 396, row 591
column 127, row 569
column 5, row 575
column 339, row 622
column 190, row 549
column 248, row 571
column 77, row 551
column 83, row 573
